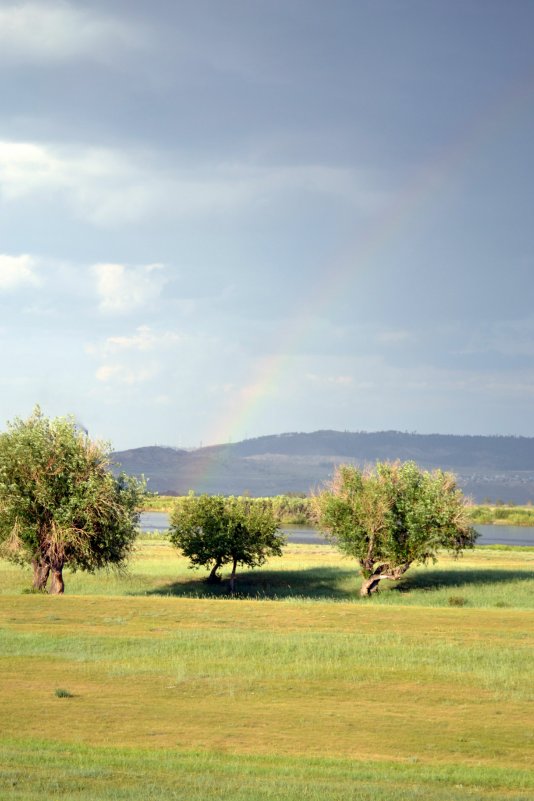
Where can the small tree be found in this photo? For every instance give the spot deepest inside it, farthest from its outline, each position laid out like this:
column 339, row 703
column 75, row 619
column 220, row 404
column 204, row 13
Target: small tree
column 212, row 531
column 393, row 516
column 59, row 503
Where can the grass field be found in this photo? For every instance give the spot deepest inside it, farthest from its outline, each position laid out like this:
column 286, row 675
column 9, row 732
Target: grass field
column 147, row 686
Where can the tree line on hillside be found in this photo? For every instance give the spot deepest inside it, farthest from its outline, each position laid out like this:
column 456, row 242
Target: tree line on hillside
column 60, row 505
column 497, row 452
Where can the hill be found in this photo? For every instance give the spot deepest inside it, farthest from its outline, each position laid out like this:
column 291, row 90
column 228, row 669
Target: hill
column 495, row 467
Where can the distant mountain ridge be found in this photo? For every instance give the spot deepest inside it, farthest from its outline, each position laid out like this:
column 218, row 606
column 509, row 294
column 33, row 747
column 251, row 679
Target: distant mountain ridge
column 487, row 466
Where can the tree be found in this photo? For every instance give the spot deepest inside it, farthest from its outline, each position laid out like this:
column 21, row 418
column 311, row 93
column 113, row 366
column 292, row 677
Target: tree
column 59, row 503
column 392, row 516
column 212, row 531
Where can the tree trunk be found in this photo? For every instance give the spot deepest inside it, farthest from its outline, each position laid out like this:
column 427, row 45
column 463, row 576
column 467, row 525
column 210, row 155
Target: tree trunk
column 370, row 585
column 232, row 577
column 57, row 585
column 213, row 577
column 41, row 571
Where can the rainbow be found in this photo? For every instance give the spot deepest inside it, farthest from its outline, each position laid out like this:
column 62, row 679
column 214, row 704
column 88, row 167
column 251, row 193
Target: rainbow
column 357, row 256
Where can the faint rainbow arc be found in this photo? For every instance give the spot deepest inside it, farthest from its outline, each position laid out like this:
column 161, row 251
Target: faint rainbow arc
column 356, row 256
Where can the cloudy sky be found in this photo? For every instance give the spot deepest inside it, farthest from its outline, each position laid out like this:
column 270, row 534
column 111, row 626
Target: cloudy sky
column 227, row 218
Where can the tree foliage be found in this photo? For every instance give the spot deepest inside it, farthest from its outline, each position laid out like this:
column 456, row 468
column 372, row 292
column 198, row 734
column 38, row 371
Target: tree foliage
column 392, row 516
column 59, row 503
column 212, row 531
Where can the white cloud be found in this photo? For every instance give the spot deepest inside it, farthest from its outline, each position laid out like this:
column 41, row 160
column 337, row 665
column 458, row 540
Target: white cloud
column 329, row 380
column 134, row 359
column 123, row 289
column 144, row 339
column 124, row 374
column 109, row 188
column 101, row 186
column 52, row 32
column 17, row 271
column 26, row 168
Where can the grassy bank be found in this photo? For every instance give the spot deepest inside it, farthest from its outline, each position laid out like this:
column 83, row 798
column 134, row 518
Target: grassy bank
column 315, row 695
column 288, row 508
column 298, row 511
column 503, row 515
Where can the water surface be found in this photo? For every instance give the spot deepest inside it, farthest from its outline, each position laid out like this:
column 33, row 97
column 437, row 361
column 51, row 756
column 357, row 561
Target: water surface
column 489, row 535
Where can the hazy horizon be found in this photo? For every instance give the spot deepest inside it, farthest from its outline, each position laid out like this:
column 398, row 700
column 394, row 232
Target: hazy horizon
column 282, row 434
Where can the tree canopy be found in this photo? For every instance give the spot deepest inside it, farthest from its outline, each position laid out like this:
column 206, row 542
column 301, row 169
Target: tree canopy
column 59, row 502
column 392, row 516
column 212, row 531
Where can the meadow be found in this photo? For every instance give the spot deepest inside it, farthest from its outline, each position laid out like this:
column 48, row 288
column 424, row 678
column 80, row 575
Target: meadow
column 152, row 684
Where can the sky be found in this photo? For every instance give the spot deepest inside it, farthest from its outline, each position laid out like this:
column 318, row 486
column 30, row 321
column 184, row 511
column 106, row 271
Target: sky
column 227, row 218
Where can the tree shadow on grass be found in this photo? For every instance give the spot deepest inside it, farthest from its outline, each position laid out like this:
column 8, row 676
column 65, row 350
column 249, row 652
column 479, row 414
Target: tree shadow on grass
column 332, row 583
column 320, row 583
column 456, row 578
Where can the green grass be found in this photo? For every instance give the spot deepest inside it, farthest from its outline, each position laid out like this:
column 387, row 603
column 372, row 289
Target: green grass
column 486, row 577
column 287, row 508
column 159, row 503
column 502, row 515
column 299, row 511
column 60, row 692
column 97, row 774
column 310, row 694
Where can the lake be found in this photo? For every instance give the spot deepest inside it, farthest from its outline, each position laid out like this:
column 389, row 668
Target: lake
column 489, row 535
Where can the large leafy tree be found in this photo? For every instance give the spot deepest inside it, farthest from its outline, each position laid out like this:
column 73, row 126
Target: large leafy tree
column 59, row 502
column 393, row 516
column 212, row 531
